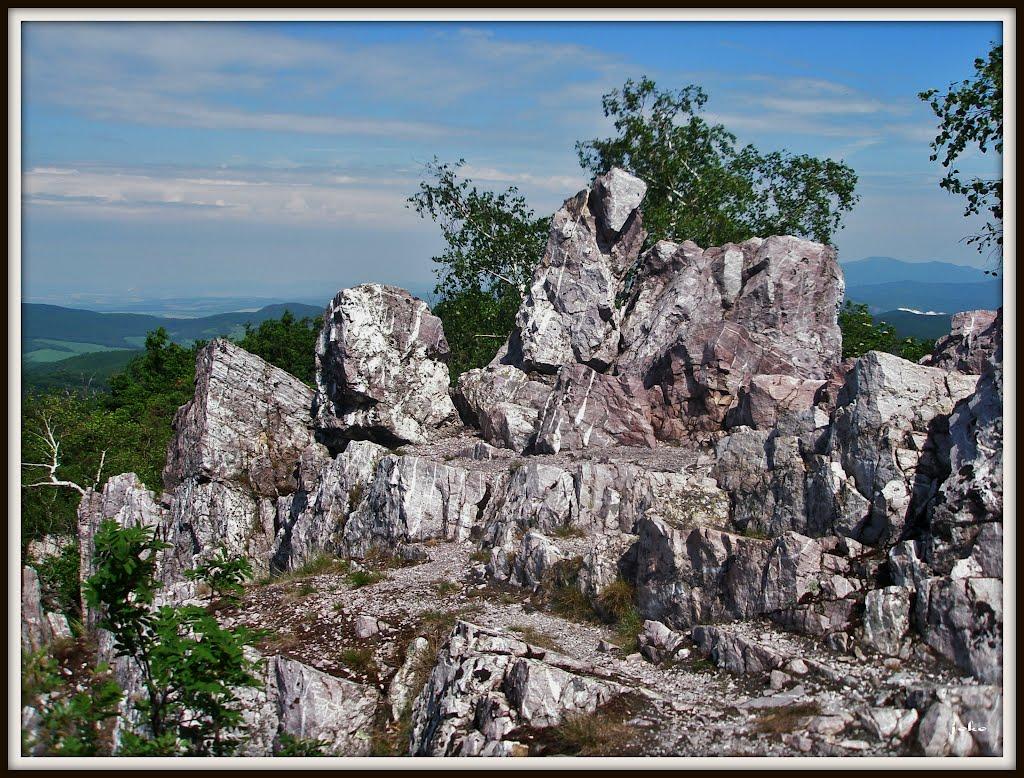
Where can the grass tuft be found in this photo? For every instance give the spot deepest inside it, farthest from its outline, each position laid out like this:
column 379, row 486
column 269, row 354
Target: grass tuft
column 360, row 578
column 778, row 721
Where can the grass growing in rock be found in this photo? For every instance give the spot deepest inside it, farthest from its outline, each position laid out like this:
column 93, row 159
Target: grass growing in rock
column 323, row 564
column 360, row 660
column 604, row 732
column 559, row 592
column 444, row 588
column 360, row 578
column 617, row 605
column 567, row 531
column 778, row 721
column 535, row 637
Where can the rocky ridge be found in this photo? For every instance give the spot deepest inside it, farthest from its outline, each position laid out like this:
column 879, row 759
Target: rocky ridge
column 667, row 506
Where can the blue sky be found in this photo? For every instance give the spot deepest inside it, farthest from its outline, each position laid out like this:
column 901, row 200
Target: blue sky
column 268, row 159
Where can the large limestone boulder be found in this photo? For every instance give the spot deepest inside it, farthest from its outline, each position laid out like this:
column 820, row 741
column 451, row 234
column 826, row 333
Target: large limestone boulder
column 381, row 369
column 570, row 313
column 315, row 706
column 39, row 627
column 687, row 576
column 971, row 343
column 488, row 683
column 311, row 521
column 587, row 409
column 415, row 498
column 888, row 436
column 700, row 325
column 503, row 402
column 247, row 424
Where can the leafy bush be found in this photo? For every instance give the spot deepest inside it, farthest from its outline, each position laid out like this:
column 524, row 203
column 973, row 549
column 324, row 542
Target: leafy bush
column 861, row 334
column 224, row 575
column 70, row 722
column 190, row 665
column 59, row 580
column 290, row 745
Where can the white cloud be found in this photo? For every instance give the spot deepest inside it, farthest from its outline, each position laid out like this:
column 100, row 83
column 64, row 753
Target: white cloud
column 309, row 197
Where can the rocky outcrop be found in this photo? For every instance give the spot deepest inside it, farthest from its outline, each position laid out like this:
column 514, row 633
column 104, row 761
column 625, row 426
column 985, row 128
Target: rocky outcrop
column 381, row 370
column 487, row 684
column 412, row 499
column 312, row 705
column 887, row 437
column 687, row 576
column 503, row 403
column 591, row 409
column 125, row 500
column 672, row 434
column 570, row 314
column 701, row 324
column 735, row 652
column 971, row 343
column 247, row 424
column 959, row 721
column 312, row 521
column 39, row 628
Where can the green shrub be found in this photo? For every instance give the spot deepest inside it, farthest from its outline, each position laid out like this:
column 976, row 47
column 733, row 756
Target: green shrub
column 290, row 745
column 191, row 666
column 224, row 575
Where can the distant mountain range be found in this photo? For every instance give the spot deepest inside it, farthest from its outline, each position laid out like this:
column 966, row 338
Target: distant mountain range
column 128, row 330
column 886, row 284
column 61, row 344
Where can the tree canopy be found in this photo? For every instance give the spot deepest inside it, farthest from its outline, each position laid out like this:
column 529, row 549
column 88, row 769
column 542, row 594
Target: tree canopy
column 702, row 185
column 971, row 117
column 493, row 241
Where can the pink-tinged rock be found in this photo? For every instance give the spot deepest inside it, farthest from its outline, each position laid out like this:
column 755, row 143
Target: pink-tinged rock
column 769, row 398
column 970, row 344
column 570, row 313
column 247, row 424
column 588, row 409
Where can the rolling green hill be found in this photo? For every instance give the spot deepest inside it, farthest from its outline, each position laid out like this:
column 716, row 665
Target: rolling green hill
column 69, row 347
column 41, row 325
column 93, row 369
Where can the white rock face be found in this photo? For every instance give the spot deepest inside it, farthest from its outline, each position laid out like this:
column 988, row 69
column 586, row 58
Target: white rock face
column 592, row 409
column 311, row 521
column 317, row 706
column 38, row 627
column 412, row 499
column 487, row 683
column 126, row 500
column 246, row 425
column 503, row 402
column 381, row 368
column 570, row 314
column 886, row 619
column 887, row 435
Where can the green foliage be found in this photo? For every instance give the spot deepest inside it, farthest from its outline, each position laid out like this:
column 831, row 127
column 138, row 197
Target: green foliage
column 190, row 665
column 224, row 575
column 128, row 430
column 59, row 580
column 70, row 722
column 861, row 334
column 290, row 745
column 360, row 578
column 701, row 185
column 971, row 117
column 288, row 343
column 493, row 241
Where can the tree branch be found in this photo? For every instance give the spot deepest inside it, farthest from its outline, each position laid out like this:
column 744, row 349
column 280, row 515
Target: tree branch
column 53, row 445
